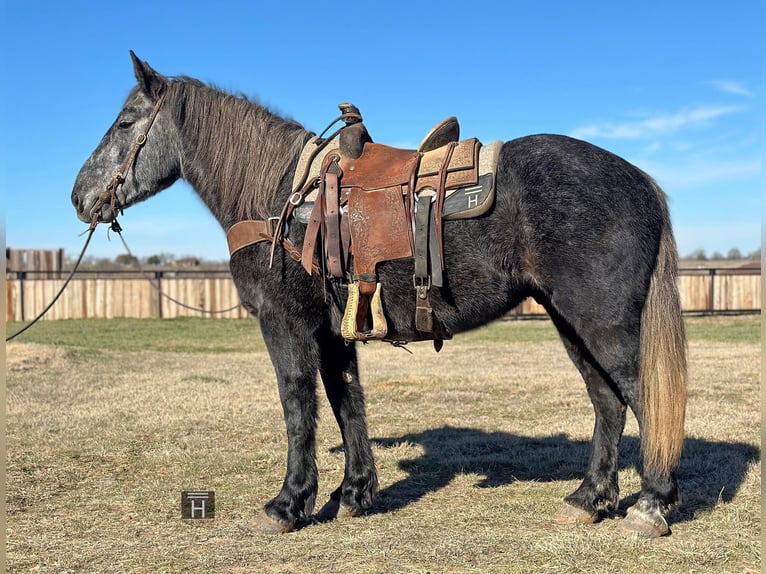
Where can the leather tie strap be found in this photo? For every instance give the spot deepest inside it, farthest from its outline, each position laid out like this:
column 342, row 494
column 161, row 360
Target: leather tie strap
column 332, row 223
column 440, row 192
column 246, row 233
column 312, row 230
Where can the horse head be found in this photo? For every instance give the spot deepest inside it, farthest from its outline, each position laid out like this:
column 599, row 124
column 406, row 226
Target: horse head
column 137, row 157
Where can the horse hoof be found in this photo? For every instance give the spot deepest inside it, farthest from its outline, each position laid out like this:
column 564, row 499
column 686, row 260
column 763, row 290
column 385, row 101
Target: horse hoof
column 645, row 524
column 265, row 524
column 334, row 509
column 570, row 514
column 347, row 512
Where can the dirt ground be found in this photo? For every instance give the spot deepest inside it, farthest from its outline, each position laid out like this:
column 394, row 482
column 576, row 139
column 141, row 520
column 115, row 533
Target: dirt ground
column 475, row 448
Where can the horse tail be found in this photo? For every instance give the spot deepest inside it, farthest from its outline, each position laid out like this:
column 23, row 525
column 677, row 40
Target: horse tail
column 663, row 359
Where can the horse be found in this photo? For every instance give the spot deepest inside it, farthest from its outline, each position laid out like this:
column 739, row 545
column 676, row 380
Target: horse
column 580, row 230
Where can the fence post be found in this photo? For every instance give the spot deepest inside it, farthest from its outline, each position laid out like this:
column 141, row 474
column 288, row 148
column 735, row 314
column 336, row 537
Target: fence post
column 158, row 277
column 21, row 275
column 711, row 294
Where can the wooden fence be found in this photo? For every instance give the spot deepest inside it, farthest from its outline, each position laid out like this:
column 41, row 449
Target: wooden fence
column 46, row 263
column 114, row 294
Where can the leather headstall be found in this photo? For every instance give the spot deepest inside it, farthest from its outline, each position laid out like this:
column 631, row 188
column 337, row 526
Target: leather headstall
column 110, row 193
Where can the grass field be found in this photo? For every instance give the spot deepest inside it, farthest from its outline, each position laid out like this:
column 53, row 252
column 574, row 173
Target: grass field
column 108, row 421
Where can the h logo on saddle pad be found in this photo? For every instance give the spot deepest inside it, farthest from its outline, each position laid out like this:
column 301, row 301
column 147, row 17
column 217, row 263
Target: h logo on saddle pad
column 364, row 203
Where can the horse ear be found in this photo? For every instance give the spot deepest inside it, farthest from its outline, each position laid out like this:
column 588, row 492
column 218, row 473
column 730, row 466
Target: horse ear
column 151, row 82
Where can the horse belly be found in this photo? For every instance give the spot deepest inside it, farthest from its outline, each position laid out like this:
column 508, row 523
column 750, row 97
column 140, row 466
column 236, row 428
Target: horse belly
column 476, row 291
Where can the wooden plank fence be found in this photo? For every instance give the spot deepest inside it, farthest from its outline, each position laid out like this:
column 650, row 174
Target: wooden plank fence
column 112, row 295
column 46, row 263
column 109, row 294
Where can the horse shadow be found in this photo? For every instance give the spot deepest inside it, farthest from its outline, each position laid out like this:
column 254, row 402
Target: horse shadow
column 710, row 472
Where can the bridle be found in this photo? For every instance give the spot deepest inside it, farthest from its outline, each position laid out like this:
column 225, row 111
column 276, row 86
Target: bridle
column 110, row 193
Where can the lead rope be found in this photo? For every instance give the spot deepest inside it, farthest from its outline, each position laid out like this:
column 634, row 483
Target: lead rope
column 64, row 286
column 118, row 230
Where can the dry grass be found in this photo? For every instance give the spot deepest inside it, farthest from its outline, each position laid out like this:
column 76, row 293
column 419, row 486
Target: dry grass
column 475, row 448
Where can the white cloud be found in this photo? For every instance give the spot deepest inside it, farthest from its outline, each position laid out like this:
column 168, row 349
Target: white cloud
column 660, row 125
column 733, row 87
column 692, row 173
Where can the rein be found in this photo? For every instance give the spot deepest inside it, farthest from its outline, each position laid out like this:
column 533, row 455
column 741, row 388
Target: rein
column 110, row 193
column 118, row 230
column 64, row 286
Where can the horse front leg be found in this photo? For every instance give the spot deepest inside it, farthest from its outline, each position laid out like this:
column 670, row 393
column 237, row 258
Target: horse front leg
column 296, row 360
column 340, row 377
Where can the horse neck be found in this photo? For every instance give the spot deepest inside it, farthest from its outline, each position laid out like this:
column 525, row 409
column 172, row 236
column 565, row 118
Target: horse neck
column 238, row 156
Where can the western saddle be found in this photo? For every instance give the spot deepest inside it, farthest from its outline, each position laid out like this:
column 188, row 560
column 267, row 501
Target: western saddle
column 365, row 203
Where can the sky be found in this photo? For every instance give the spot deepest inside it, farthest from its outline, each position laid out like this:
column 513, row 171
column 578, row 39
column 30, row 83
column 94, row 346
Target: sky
column 673, row 87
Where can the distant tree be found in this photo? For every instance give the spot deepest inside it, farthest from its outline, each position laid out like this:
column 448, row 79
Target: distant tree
column 125, row 259
column 159, row 259
column 755, row 254
column 104, row 263
column 734, row 253
column 716, row 256
column 697, row 255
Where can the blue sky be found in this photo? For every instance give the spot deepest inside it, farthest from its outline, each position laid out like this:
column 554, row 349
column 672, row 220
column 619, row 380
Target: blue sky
column 674, row 87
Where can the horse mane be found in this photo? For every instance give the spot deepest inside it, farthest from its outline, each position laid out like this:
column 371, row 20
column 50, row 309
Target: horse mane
column 239, row 151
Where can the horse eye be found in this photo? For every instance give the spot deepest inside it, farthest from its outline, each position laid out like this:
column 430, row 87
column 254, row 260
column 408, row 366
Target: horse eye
column 124, row 124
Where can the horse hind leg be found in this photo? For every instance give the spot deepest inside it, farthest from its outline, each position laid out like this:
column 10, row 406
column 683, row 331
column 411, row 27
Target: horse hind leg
column 663, row 397
column 615, row 368
column 599, row 489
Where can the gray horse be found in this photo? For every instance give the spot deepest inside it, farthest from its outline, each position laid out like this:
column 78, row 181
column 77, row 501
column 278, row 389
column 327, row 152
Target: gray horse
column 580, row 230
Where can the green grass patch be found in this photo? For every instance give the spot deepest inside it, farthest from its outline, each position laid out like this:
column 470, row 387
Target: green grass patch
column 713, row 329
column 514, row 331
column 188, row 335
column 724, row 329
column 193, row 335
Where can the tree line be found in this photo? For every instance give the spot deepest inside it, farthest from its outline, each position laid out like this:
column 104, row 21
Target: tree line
column 124, row 260
column 732, row 254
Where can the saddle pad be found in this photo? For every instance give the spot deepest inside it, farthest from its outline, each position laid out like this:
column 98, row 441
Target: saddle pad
column 461, row 170
column 473, row 201
column 314, row 166
column 461, row 203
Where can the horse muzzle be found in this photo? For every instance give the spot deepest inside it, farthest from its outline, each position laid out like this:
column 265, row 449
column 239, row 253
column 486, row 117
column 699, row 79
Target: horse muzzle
column 94, row 210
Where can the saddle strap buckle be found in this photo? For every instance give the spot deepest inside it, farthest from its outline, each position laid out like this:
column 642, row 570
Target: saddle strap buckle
column 424, row 315
column 274, row 221
column 422, row 285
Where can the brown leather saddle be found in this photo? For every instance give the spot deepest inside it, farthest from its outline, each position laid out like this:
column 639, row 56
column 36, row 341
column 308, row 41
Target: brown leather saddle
column 365, row 203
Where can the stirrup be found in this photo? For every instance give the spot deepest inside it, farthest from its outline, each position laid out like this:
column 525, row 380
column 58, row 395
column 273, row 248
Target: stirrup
column 350, row 321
